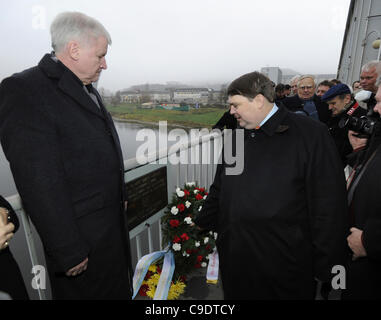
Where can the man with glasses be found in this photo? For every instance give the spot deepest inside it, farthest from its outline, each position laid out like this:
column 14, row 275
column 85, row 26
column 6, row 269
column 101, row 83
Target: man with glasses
column 307, row 101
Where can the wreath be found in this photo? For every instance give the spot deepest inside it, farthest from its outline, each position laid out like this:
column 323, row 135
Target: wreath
column 190, row 245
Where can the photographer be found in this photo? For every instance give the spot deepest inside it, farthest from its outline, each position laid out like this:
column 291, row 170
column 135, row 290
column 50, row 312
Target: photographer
column 364, row 190
column 342, row 104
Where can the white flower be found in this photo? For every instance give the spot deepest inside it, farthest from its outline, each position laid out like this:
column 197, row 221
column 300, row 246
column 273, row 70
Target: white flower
column 197, row 244
column 188, row 204
column 184, row 254
column 206, row 240
column 191, row 184
column 215, row 235
column 176, row 247
column 188, row 220
column 174, row 211
column 204, row 264
column 205, row 197
column 211, row 233
column 200, row 208
column 180, row 193
column 196, row 191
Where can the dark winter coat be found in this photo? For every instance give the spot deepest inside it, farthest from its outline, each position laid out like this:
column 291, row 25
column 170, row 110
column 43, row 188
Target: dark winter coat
column 294, row 103
column 283, row 221
column 67, row 164
column 363, row 274
column 11, row 281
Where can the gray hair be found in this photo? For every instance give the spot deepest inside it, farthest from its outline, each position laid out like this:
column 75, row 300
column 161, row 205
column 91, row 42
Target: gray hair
column 369, row 66
column 294, row 79
column 68, row 26
column 307, row 76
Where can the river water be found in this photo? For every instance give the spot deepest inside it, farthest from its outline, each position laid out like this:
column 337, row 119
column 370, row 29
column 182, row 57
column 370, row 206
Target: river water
column 127, row 135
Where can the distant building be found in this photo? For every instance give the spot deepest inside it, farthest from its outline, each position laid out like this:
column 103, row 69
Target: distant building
column 192, row 95
column 130, row 96
column 273, row 73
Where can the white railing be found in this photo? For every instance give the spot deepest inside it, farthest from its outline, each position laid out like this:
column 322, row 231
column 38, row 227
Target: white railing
column 203, row 153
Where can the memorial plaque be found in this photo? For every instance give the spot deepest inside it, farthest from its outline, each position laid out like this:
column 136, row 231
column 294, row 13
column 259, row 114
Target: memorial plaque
column 147, row 195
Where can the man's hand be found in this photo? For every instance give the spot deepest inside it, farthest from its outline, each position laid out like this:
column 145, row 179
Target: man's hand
column 6, row 234
column 355, row 141
column 77, row 270
column 355, row 243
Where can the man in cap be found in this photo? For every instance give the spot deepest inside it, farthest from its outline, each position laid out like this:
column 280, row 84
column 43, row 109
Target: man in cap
column 342, row 105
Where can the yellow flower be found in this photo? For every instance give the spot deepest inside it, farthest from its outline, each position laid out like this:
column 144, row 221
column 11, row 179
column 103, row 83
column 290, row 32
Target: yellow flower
column 152, row 268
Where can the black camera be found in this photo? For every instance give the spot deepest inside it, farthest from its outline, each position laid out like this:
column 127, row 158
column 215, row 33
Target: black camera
column 364, row 126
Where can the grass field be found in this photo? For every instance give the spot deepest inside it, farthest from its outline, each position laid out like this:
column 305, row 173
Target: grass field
column 205, row 117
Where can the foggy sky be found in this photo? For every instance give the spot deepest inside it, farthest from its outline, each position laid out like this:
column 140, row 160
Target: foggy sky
column 190, row 41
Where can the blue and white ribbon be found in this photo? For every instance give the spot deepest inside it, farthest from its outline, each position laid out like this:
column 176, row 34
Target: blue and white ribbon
column 142, row 269
column 165, row 280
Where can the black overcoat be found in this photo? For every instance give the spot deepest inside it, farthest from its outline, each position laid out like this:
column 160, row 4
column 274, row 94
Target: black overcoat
column 67, row 164
column 283, row 221
column 11, row 280
column 363, row 275
column 294, row 103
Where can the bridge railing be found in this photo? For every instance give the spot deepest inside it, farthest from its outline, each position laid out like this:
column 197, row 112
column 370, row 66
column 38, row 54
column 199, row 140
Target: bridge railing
column 202, row 154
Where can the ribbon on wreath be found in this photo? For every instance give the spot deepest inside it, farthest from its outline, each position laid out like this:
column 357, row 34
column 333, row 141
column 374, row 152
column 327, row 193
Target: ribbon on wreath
column 213, row 267
column 166, row 275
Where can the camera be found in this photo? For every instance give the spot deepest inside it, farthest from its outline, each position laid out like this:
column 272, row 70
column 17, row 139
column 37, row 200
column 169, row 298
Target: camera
column 364, row 125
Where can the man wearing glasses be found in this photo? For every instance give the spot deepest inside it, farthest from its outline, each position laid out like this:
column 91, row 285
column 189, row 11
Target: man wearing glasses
column 307, row 101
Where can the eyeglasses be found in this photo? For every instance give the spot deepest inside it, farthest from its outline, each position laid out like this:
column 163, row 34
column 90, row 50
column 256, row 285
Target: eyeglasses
column 306, row 87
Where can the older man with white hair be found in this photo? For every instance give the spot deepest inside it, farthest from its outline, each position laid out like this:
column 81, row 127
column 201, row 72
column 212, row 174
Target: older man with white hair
column 307, row 101
column 67, row 163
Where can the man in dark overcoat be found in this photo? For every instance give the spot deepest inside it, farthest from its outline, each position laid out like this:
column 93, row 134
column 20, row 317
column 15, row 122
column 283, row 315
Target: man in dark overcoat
column 67, row 163
column 364, row 241
column 282, row 223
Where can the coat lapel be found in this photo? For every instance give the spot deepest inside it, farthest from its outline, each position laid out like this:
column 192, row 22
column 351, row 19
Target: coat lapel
column 69, row 86
column 68, row 83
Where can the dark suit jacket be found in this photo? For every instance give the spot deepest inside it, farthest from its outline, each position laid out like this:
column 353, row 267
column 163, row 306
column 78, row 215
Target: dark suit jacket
column 294, row 103
column 67, row 164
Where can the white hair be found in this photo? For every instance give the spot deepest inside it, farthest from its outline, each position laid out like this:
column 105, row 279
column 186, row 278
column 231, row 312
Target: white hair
column 370, row 65
column 68, row 26
column 294, row 79
column 307, row 76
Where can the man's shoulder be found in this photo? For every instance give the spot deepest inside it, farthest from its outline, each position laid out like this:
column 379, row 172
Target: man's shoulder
column 292, row 103
column 305, row 125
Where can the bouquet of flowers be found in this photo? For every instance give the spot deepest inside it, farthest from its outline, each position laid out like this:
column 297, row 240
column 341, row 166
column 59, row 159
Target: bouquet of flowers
column 190, row 245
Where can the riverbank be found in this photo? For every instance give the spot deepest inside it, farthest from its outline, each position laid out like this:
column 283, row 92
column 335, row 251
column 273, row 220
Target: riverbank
column 194, row 118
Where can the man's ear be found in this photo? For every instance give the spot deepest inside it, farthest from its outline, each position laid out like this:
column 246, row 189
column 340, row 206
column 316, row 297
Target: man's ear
column 260, row 100
column 73, row 49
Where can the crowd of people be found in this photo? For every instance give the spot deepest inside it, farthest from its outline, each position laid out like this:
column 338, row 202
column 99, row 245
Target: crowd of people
column 307, row 200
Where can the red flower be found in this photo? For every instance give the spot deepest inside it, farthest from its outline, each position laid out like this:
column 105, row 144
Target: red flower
column 184, row 237
column 176, row 239
column 199, row 197
column 199, row 258
column 158, row 269
column 174, row 223
column 189, row 251
column 186, row 192
column 181, row 207
column 143, row 290
column 197, row 265
column 183, row 279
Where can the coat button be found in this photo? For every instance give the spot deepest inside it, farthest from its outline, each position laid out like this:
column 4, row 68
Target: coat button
column 253, row 134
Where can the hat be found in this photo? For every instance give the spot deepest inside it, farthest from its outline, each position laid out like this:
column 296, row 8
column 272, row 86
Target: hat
column 335, row 91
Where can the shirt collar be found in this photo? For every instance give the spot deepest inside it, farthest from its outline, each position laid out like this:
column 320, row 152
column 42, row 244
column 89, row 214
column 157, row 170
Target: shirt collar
column 270, row 114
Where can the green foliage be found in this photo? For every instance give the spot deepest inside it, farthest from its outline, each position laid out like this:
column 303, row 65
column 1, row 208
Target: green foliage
column 191, row 245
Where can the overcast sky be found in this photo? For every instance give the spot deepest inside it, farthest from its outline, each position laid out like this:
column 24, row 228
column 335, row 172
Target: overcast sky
column 155, row 41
